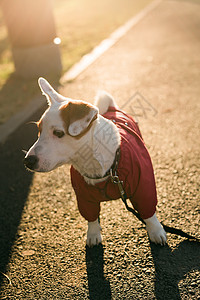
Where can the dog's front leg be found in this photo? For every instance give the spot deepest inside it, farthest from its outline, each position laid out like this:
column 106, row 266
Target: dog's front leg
column 155, row 230
column 94, row 233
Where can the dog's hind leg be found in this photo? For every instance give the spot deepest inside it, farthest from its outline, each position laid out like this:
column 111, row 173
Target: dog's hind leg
column 155, row 230
column 103, row 100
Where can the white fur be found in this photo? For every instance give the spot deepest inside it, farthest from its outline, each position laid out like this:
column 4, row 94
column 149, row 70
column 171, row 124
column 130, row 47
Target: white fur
column 100, row 153
column 103, row 100
column 94, row 233
column 51, row 151
column 49, row 92
column 155, row 230
column 92, row 154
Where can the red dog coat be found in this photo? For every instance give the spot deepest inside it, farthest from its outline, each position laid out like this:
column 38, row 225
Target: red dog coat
column 134, row 169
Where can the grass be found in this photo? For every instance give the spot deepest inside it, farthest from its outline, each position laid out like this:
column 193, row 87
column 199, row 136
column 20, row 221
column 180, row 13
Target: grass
column 81, row 25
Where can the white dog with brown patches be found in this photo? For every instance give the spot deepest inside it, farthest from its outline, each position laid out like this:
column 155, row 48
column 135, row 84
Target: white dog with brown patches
column 65, row 130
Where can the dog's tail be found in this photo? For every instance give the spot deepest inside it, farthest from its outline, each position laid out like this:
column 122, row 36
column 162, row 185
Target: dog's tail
column 103, row 100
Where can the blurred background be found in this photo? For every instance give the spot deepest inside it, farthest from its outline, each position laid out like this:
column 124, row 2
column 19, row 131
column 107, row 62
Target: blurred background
column 46, row 37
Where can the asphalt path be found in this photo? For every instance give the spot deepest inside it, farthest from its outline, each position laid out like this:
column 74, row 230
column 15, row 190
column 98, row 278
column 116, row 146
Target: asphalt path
column 153, row 72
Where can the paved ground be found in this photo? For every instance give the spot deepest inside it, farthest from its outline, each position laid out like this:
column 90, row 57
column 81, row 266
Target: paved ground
column 154, row 73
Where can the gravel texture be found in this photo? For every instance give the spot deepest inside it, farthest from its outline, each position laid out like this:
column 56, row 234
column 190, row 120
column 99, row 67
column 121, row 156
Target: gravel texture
column 153, row 72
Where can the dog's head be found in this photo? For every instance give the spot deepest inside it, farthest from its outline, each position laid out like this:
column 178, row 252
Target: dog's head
column 61, row 129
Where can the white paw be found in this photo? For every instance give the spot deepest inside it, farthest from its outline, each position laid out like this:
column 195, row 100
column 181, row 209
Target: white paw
column 94, row 234
column 157, row 236
column 155, row 231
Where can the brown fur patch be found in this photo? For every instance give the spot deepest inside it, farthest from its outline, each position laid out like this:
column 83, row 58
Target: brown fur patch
column 39, row 125
column 72, row 112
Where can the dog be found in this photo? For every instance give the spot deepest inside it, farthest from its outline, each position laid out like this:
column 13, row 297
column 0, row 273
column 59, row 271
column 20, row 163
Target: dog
column 97, row 140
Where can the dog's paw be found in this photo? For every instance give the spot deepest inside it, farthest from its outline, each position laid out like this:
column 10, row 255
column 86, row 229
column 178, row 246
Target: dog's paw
column 155, row 231
column 157, row 236
column 94, row 234
column 94, row 239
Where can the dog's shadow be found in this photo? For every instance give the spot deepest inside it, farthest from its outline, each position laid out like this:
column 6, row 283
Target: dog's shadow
column 173, row 266
column 99, row 286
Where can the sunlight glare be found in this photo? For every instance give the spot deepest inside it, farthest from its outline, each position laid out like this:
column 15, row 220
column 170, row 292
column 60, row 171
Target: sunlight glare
column 57, row 41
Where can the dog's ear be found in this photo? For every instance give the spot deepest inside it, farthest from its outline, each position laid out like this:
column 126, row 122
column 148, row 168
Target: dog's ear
column 78, row 116
column 49, row 92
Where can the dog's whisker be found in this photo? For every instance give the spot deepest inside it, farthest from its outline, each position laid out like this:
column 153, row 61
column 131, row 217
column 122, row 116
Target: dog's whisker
column 24, row 151
column 32, row 122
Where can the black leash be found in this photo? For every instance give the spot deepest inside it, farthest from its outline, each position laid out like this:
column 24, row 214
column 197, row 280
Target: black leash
column 172, row 230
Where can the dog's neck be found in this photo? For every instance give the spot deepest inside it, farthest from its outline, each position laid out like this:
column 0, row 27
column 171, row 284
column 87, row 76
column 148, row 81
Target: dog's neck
column 96, row 153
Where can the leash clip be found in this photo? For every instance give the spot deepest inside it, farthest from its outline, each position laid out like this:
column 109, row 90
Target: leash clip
column 115, row 180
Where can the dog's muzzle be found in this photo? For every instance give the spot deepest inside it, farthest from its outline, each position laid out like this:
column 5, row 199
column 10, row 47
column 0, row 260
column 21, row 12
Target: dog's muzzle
column 31, row 162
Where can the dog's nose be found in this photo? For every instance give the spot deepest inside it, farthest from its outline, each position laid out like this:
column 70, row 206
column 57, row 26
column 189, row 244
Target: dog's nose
column 31, row 162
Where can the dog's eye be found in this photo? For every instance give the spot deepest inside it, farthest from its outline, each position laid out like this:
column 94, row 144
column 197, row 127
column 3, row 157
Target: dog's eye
column 58, row 133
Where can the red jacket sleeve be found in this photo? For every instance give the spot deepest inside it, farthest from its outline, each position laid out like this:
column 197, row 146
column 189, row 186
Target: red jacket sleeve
column 144, row 199
column 88, row 204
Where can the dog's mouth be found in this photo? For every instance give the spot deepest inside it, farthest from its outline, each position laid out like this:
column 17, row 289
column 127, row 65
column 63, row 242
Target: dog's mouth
column 31, row 163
